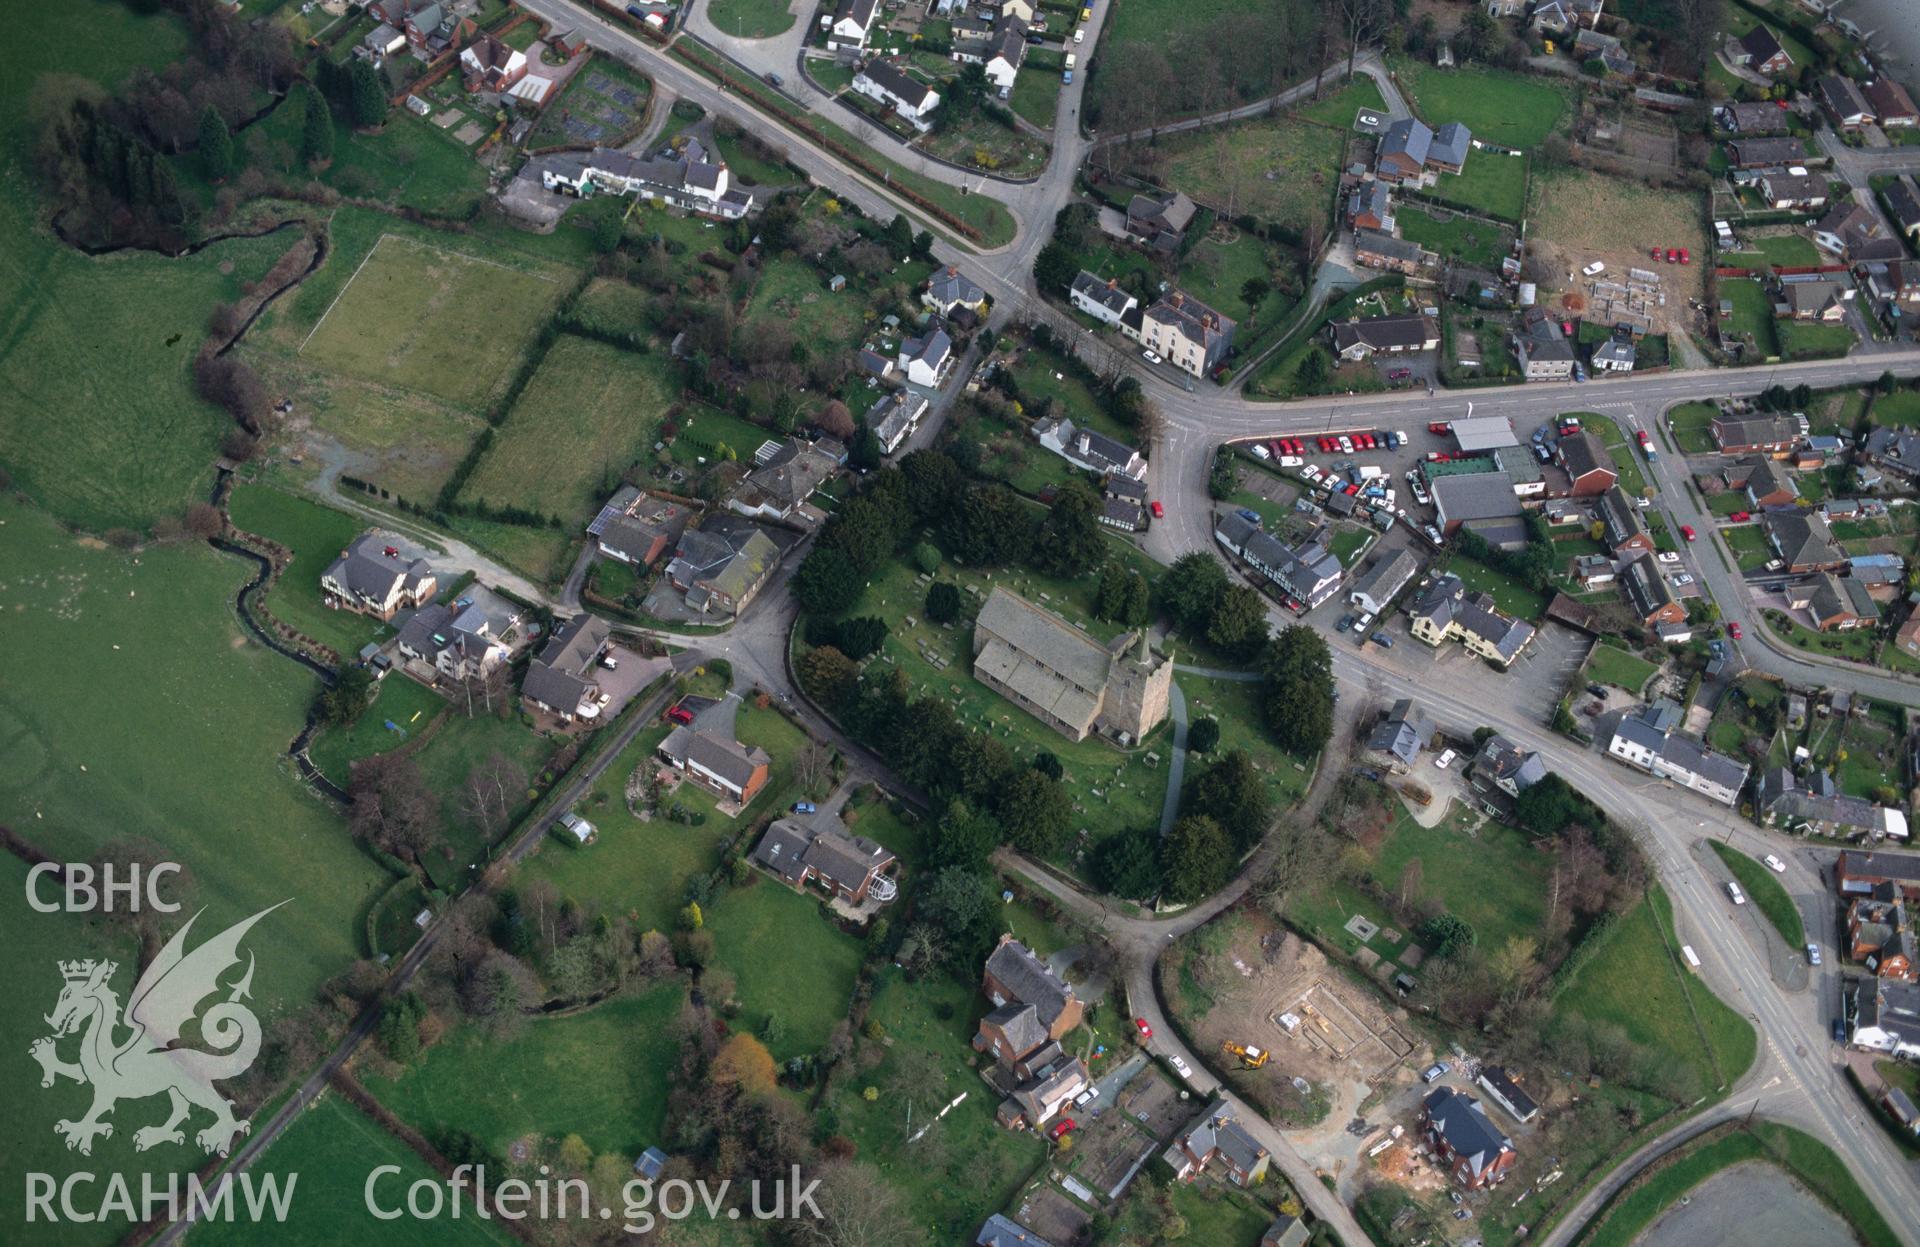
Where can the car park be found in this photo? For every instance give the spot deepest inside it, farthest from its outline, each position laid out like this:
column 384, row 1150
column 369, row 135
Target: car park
column 1774, row 864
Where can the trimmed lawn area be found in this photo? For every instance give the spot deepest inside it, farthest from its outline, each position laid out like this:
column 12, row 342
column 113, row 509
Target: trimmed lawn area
column 1763, row 889
column 1509, row 109
column 316, row 534
column 1214, row 272
column 1220, row 1216
column 408, row 163
column 1788, row 250
column 1801, row 340
column 1636, row 981
column 1490, row 182
column 422, row 317
column 751, row 19
column 1752, row 314
column 1626, row 454
column 168, row 723
column 1691, row 424
column 408, row 704
column 1900, row 409
column 1338, row 108
column 586, row 417
column 1009, row 454
column 1349, row 543
column 1042, row 375
column 1482, row 870
column 788, row 960
column 541, row 553
column 1236, row 704
column 1462, row 238
column 1036, row 96
column 1228, row 165
column 1749, row 546
column 1612, row 665
column 1512, row 597
column 602, row 1074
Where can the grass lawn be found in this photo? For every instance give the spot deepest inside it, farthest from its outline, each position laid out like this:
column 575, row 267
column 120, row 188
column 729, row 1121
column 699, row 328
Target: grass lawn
column 1348, row 544
column 1490, row 182
column 1749, row 546
column 1900, row 409
column 1788, row 250
column 316, row 534
column 541, row 553
column 1008, row 454
column 407, row 704
column 1215, row 272
column 1043, row 374
column 586, row 417
column 1612, row 665
column 1752, row 314
column 1512, row 597
column 331, row 1149
column 1763, row 888
column 1509, row 109
column 1484, row 871
column 1228, row 165
column 1339, row 107
column 422, row 317
column 181, row 723
column 1637, row 982
column 1801, row 340
column 1219, row 1215
column 602, row 1074
column 788, row 959
column 751, row 19
column 832, row 76
column 1469, row 241
column 980, row 142
column 791, row 291
column 1036, row 96
column 447, row 760
column 1626, row 455
column 1819, row 1171
column 1691, row 424
column 408, row 163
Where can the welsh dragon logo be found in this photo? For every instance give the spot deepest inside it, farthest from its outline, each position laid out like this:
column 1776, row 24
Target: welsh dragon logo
column 147, row 1061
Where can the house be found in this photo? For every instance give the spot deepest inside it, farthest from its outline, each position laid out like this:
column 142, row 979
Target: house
column 1015, row 976
column 1000, row 50
column 1794, row 188
column 1594, row 571
column 1448, row 151
column 894, row 417
column 1753, row 118
column 1307, row 572
column 1903, row 202
column 1382, row 582
column 1503, row 1089
column 1820, row 807
column 1590, row 46
column 1907, row 637
column 927, row 360
column 1021, row 9
column 1816, row 298
column 851, row 869
column 1357, row 339
column 1863, row 874
column 998, row 1231
column 1478, row 496
column 487, row 64
column 850, row 24
column 1159, row 224
column 1844, row 102
column 1649, row 597
column 1590, row 467
column 371, row 577
column 1445, row 611
column 950, row 290
column 1541, row 348
column 716, row 762
column 1101, row 299
column 1370, row 206
column 1033, row 1009
column 907, row 96
column 1218, row 1136
column 1038, row 1097
column 1838, row 605
column 1466, row 1142
column 1891, row 104
column 456, row 643
column 1090, row 451
column 1286, row 1231
column 1616, row 354
column 1645, row 738
column 722, row 565
column 779, row 486
column 1748, row 435
column 1894, row 450
column 1187, row 333
column 1375, row 249
column 559, row 680
column 1879, row 936
column 1065, row 678
column 432, row 29
column 1123, row 503
column 1886, row 1017
column 1507, row 767
column 1402, row 156
column 1764, row 153
column 385, row 40
column 680, row 176
column 1759, row 50
column 1401, row 733
column 1846, row 223
column 637, row 527
column 1803, row 541
column 1765, row 483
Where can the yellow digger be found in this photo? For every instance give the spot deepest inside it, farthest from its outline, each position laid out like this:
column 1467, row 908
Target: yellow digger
column 1250, row 1058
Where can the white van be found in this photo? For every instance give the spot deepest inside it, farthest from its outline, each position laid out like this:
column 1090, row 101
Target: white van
column 1071, row 60
column 1080, row 35
column 1693, row 958
column 1733, row 890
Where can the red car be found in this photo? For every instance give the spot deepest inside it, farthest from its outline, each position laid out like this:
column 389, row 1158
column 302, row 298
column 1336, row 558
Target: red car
column 1438, row 456
column 1159, row 512
column 1685, row 258
column 1657, row 254
column 1644, row 439
column 1328, row 445
column 1351, row 491
column 1733, row 630
column 1673, row 256
column 1140, row 1024
column 1566, row 327
column 1439, row 428
column 1060, row 1127
column 680, row 714
column 1686, row 530
column 1741, row 517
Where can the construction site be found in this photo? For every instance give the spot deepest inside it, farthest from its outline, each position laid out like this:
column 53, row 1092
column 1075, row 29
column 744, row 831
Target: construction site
column 1635, row 298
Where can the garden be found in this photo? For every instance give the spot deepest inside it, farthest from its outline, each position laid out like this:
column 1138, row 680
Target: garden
column 1609, row 664
column 1457, row 237
column 1490, row 182
column 316, row 535
column 1511, row 110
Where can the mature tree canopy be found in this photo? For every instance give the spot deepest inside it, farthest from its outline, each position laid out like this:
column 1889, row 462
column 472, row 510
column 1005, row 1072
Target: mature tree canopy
column 1195, row 859
column 1070, row 542
column 369, row 101
column 1203, row 735
column 1238, row 627
column 1190, row 588
column 826, row 582
column 1298, row 693
column 1128, row 864
column 1036, row 813
column 1124, row 596
column 943, row 601
column 1234, row 794
column 216, row 145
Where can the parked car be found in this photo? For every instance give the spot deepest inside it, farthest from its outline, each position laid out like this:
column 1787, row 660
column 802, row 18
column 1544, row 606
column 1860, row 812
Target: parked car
column 1839, row 1030
column 1598, row 691
column 1813, row 954
column 1250, row 516
column 1086, row 1097
column 1344, row 622
column 1733, row 890
column 1667, row 556
column 1080, row 35
column 1733, row 630
column 1180, row 1067
column 680, row 714
column 1445, row 760
column 1440, row 427
column 1159, row 512
column 1435, row 1072
column 1150, row 357
column 1683, row 578
column 1383, row 640
column 1060, row 1127
column 1686, row 530
column 1685, row 256
column 1594, row 269
column 1140, row 1024
column 1741, row 517
column 776, row 80
column 804, row 807
column 1656, row 253
column 1774, row 864
column 1066, row 76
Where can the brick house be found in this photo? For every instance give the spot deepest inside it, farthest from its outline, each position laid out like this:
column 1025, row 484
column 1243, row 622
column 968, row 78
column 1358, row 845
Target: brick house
column 1469, row 1145
column 487, row 64
column 1879, row 937
column 718, row 763
column 1622, row 525
column 1589, row 466
column 1858, row 874
column 1218, row 1138
column 1755, row 435
column 851, row 868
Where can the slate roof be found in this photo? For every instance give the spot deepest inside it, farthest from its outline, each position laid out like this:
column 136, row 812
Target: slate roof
column 1733, row 431
column 1408, row 137
column 1752, row 118
column 1192, row 319
column 950, row 286
column 1896, row 448
column 1833, row 596
column 1583, row 452
column 861, row 11
column 788, row 477
column 1716, row 768
column 1501, row 1084
column 365, row 570
column 1888, row 99
column 1098, row 290
column 1480, row 496
column 1761, row 44
column 1459, row 1120
column 1903, row 198
column 726, row 553
column 712, row 752
column 1499, row 759
column 1646, row 590
column 1890, row 1005
column 1802, row 538
column 1843, row 98
column 1028, row 979
column 1387, row 245
column 1756, row 153
column 902, row 86
column 1403, row 733
column 1403, row 331
column 1451, row 143
column 791, row 848
column 999, row 1231
column 1386, row 577
column 1765, row 477
column 1621, row 520
column 1616, row 351
column 556, row 675
column 1219, row 1130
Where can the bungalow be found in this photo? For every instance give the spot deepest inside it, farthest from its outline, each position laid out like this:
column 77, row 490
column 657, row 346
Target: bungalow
column 1754, row 118
column 1401, row 734
column 1382, row 582
column 722, row 565
column 1765, row 482
column 781, row 482
column 1507, row 767
column 850, row 24
column 715, row 761
column 637, row 527
column 1187, row 333
column 1466, row 1141
column 1903, row 201
column 1891, row 104
column 894, row 417
column 559, row 681
column 1376, row 249
column 1541, row 348
column 950, row 290
column 1844, row 102
column 1759, row 50
column 1218, row 1136
column 1894, row 450
column 1507, row 1092
column 1886, row 1017
column 487, row 64
column 927, row 360
column 1589, row 465
column 1649, row 597
column 456, row 644
column 1370, row 206
column 999, row 1231
column 1837, row 605
column 1101, row 299
column 1764, row 153
column 1159, row 224
column 1816, row 299
column 1747, row 435
column 1616, row 354
column 1793, row 189
column 1844, row 222
column 908, row 97
column 1804, row 542
column 372, row 578
column 1358, row 339
column 851, row 869
column 1403, row 151
column 1445, row 611
column 1088, row 450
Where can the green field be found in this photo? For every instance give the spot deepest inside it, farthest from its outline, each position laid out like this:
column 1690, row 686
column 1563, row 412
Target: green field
column 180, row 723
column 421, row 317
column 408, row 162
column 1227, row 169
column 1626, row 455
column 1802, row 340
column 1763, row 889
column 590, row 413
column 789, row 959
column 1781, row 251
column 1490, row 182
column 1900, row 409
column 1469, row 241
column 1692, row 425
column 1484, row 871
column 602, row 1074
column 1613, row 665
column 751, row 19
column 1236, row 704
column 316, row 534
column 1509, row 109
column 1637, row 982
column 1752, row 314
column 1339, row 108
column 1512, row 597
column 1036, row 97
column 1749, row 545
column 791, row 291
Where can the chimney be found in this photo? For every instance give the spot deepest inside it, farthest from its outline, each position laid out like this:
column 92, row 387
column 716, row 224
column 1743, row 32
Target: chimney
column 1113, row 283
column 1178, row 299
column 1083, row 441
